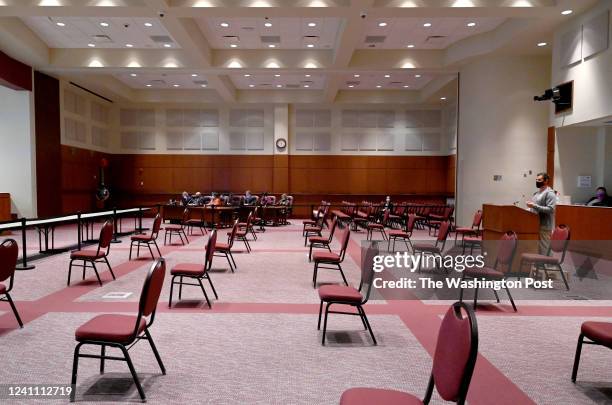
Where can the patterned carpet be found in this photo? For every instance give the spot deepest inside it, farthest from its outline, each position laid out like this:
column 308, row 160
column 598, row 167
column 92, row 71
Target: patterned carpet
column 259, row 343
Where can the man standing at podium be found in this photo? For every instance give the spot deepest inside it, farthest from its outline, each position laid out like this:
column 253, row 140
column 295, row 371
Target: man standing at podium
column 543, row 203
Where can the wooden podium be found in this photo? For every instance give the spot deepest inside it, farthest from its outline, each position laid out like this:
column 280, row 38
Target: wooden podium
column 498, row 219
column 5, row 207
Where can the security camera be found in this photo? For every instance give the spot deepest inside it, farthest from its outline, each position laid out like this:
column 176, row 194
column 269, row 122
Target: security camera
column 553, row 94
column 161, row 14
column 363, row 14
column 126, row 25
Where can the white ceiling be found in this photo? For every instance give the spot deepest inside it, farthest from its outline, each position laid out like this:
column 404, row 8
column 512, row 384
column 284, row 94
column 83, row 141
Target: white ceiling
column 162, row 80
column 78, row 32
column 401, row 32
column 396, row 80
column 288, row 81
column 291, row 30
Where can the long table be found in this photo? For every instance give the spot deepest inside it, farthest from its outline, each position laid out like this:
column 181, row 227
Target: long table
column 222, row 216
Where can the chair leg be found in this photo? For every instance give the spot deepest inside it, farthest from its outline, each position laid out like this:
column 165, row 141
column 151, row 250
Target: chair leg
column 138, row 249
column 110, row 268
column 157, row 247
column 128, row 360
column 577, row 357
column 496, row 296
column 325, row 322
column 155, row 352
column 204, row 291
column 131, row 245
column 75, row 368
column 211, row 285
column 314, row 275
column 365, row 325
column 368, row 326
column 342, row 274
column 70, row 271
column 14, row 308
column 310, row 252
column 229, row 261
column 93, row 264
column 511, row 300
column 102, row 354
column 171, row 288
column 563, row 277
column 320, row 313
column 232, row 257
column 180, row 288
column 475, row 298
column 151, row 251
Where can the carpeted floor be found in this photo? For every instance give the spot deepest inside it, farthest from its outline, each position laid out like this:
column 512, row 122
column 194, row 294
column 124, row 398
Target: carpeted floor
column 259, row 343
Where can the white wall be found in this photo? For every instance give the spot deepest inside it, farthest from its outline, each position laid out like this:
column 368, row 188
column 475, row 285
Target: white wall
column 17, row 153
column 501, row 131
column 579, row 151
column 608, row 160
column 592, row 76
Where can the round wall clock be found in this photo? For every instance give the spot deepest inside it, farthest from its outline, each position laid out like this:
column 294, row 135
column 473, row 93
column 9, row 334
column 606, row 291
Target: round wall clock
column 281, row 143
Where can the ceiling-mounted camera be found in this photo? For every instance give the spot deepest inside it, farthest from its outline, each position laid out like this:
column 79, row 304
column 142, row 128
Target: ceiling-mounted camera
column 161, row 14
column 363, row 14
column 553, row 94
column 562, row 96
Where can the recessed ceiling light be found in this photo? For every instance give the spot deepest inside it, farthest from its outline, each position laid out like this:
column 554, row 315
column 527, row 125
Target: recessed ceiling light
column 91, row 45
column 410, row 46
column 202, row 85
column 306, row 75
column 251, row 85
column 387, row 76
column 351, row 86
column 194, row 75
column 406, row 86
column 307, row 85
column 310, row 45
column 541, row 44
column 149, row 85
column 312, row 24
column 60, row 24
column 167, row 45
column 129, row 45
column 104, row 24
column 382, row 24
column 224, row 24
column 356, row 75
column 268, row 24
column 417, row 76
column 247, row 75
column 378, row 86
column 133, row 74
column 271, row 46
column 442, row 98
column 277, row 75
column 233, row 46
column 567, row 12
column 147, row 24
column 427, row 25
column 176, row 85
column 471, row 24
column 279, row 85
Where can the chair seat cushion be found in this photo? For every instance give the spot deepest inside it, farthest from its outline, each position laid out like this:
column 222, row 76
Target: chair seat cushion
column 309, row 222
column 173, row 227
column 313, row 229
column 438, row 217
column 187, row 269
column 465, row 230
column 240, row 234
column 339, row 293
column 398, row 234
column 486, row 272
column 193, row 222
column 109, row 328
column 319, row 239
column 376, row 226
column 2, row 288
column 473, row 239
column 536, row 258
column 370, row 396
column 86, row 254
column 599, row 332
column 426, row 247
column 326, row 257
column 142, row 237
column 224, row 247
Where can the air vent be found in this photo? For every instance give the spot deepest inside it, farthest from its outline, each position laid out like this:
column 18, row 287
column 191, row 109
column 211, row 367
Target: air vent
column 200, row 82
column 101, row 39
column 352, row 83
column 161, row 39
column 158, row 82
column 265, row 85
column 306, row 81
column 436, row 40
column 248, row 28
column 375, row 39
column 270, row 39
column 395, row 83
column 292, row 86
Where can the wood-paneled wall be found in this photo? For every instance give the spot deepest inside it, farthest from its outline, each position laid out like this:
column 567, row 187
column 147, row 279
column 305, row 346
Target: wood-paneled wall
column 80, row 172
column 14, row 74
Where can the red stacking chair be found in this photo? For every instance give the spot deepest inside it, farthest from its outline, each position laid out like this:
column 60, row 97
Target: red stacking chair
column 100, row 255
column 8, row 261
column 322, row 241
column 437, row 248
column 196, row 223
column 331, row 258
column 243, row 231
column 345, row 295
column 596, row 333
column 558, row 243
column 474, row 230
column 503, row 261
column 404, row 234
column 123, row 331
column 434, row 220
column 453, row 365
column 378, row 226
column 195, row 271
column 147, row 239
column 248, row 225
column 177, row 229
column 316, row 215
column 316, row 229
column 225, row 249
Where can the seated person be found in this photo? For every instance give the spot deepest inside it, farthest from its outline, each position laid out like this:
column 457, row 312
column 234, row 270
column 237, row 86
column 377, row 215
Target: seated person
column 601, row 199
column 388, row 205
column 284, row 200
column 216, row 200
column 197, row 199
column 249, row 199
column 225, row 199
column 185, row 198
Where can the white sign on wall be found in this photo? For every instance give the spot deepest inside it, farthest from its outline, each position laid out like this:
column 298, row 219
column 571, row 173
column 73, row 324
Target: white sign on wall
column 584, row 181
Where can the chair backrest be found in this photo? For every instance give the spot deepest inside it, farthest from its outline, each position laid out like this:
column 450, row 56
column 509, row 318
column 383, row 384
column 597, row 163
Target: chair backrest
column 448, row 211
column 151, row 290
column 8, row 259
column 367, row 270
column 232, row 235
column 455, row 355
column 185, row 217
column 289, row 200
column 249, row 220
column 443, row 231
column 106, row 236
column 385, row 217
column 410, row 221
column 477, row 219
column 332, row 228
column 506, row 250
column 210, row 249
column 560, row 238
column 344, row 240
column 156, row 226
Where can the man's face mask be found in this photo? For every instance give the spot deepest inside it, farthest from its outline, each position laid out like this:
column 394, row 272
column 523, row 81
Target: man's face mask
column 539, row 184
